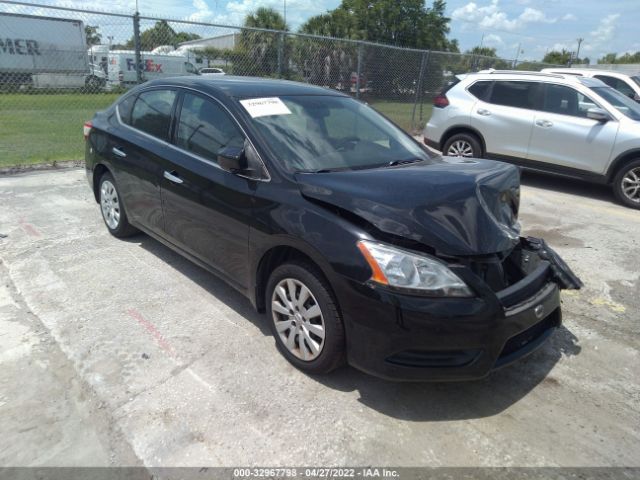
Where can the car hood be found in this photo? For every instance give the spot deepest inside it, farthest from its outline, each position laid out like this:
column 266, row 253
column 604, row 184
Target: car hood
column 459, row 207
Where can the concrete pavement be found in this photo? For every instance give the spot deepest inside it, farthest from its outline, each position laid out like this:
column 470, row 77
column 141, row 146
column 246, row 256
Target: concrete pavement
column 148, row 359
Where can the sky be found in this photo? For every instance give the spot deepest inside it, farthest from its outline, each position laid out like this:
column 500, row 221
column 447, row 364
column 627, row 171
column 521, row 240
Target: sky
column 526, row 28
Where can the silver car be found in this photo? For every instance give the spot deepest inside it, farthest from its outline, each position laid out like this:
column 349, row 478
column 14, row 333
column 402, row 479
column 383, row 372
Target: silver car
column 564, row 124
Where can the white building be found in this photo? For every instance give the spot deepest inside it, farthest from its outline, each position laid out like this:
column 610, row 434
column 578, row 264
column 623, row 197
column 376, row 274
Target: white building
column 227, row 41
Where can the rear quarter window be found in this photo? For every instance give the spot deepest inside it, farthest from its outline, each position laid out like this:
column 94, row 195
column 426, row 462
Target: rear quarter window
column 125, row 106
column 480, row 89
column 449, row 84
column 618, row 84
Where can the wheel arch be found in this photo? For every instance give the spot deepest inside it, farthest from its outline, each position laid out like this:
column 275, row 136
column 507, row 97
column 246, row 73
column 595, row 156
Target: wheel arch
column 456, row 129
column 278, row 254
column 620, row 161
column 98, row 171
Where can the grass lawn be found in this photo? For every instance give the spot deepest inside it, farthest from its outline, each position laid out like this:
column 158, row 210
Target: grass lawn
column 401, row 112
column 44, row 128
column 38, row 128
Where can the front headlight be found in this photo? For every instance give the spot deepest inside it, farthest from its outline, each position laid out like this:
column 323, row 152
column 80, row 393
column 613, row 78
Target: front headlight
column 412, row 272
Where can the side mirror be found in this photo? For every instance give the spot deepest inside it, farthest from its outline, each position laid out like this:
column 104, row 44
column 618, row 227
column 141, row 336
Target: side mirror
column 232, row 159
column 597, row 114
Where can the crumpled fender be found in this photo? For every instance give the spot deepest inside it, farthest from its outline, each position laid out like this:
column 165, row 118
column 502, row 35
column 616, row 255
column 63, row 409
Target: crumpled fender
column 563, row 275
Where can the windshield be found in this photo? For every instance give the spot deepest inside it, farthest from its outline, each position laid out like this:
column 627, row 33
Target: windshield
column 621, row 102
column 324, row 133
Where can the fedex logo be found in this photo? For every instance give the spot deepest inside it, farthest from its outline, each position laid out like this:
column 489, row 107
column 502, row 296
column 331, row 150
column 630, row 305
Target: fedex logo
column 147, row 65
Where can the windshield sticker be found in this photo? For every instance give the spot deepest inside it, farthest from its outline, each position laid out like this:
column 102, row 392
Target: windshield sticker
column 263, row 107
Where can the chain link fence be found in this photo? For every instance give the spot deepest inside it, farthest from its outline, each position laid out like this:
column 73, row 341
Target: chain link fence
column 59, row 65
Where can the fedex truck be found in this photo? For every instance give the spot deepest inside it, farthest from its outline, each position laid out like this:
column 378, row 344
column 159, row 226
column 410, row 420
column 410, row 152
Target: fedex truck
column 122, row 66
column 44, row 52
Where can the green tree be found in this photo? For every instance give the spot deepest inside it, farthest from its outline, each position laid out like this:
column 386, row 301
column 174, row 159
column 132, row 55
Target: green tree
column 484, row 51
column 160, row 34
column 402, row 23
column 530, row 66
column 92, row 35
column 265, row 17
column 608, row 58
column 184, row 37
column 557, row 57
column 406, row 23
column 265, row 53
column 626, row 58
column 475, row 59
column 562, row 57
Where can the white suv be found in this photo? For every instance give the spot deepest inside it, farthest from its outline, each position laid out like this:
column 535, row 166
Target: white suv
column 628, row 85
column 564, row 124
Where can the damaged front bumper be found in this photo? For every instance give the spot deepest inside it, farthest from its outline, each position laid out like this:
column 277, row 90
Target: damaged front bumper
column 419, row 338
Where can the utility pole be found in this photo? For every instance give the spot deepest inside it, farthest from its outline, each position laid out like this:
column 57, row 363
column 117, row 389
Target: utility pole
column 284, row 7
column 482, row 40
column 580, row 40
column 515, row 62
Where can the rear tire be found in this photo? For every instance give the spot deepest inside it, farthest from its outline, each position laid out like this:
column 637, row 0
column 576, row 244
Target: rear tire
column 112, row 208
column 626, row 184
column 304, row 318
column 462, row 145
column 93, row 84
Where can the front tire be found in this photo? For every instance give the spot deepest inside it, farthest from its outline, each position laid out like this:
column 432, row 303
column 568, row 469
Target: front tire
column 304, row 318
column 626, row 184
column 113, row 212
column 462, row 145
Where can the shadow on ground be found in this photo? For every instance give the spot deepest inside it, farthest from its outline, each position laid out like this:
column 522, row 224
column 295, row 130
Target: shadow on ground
column 490, row 396
column 406, row 401
column 568, row 185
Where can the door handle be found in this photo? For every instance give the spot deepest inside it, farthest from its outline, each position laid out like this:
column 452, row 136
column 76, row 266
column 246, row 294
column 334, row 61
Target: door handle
column 544, row 123
column 483, row 111
column 116, row 151
column 173, row 177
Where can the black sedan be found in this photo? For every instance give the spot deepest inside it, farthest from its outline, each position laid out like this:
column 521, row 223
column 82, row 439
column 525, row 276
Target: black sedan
column 359, row 244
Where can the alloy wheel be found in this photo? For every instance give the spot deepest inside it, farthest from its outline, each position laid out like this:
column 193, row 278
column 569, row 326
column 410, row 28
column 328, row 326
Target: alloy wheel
column 460, row 148
column 631, row 185
column 298, row 319
column 110, row 204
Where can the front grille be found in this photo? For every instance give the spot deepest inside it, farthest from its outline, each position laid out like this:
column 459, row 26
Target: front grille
column 425, row 359
column 529, row 339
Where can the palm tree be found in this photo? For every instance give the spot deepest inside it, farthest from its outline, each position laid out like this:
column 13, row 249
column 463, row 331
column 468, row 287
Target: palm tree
column 261, row 48
column 265, row 17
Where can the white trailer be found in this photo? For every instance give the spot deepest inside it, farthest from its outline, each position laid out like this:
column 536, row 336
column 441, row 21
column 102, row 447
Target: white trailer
column 45, row 52
column 122, row 66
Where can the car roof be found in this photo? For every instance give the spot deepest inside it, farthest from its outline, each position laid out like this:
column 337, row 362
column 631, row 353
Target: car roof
column 244, row 87
column 587, row 71
column 531, row 75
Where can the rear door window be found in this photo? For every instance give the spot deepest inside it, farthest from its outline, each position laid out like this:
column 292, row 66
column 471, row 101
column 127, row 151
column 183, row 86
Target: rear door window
column 152, row 112
column 517, row 94
column 204, row 128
